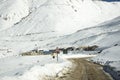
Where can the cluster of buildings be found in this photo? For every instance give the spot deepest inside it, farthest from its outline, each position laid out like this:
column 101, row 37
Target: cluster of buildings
column 63, row 50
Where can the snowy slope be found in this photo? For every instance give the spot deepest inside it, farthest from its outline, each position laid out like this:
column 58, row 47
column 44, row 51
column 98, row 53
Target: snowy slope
column 42, row 16
column 12, row 11
column 103, row 35
column 38, row 23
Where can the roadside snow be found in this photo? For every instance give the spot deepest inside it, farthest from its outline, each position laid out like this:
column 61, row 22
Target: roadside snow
column 110, row 54
column 116, row 65
column 30, row 67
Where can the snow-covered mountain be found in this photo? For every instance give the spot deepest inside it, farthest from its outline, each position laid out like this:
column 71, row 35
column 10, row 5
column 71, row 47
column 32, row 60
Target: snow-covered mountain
column 44, row 24
column 67, row 16
column 28, row 24
column 103, row 35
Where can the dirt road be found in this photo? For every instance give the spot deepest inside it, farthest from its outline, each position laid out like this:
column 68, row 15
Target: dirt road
column 84, row 70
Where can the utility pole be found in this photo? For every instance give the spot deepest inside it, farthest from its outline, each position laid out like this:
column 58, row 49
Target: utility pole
column 57, row 52
column 57, row 57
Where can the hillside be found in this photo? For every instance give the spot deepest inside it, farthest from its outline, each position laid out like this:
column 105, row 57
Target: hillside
column 67, row 16
column 30, row 31
column 103, row 35
column 38, row 23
